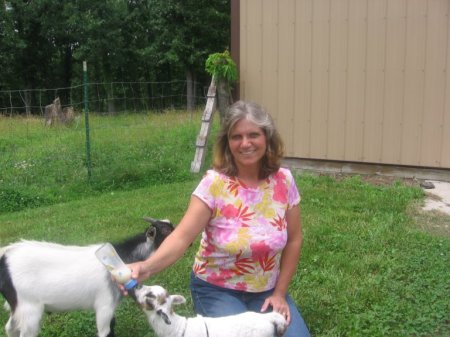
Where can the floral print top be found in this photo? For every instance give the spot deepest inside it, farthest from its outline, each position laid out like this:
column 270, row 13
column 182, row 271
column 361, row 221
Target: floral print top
column 241, row 246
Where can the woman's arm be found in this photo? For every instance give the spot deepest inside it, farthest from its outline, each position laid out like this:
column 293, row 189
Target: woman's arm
column 173, row 247
column 291, row 253
column 288, row 265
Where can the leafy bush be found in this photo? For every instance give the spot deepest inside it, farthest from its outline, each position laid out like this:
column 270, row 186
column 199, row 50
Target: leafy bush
column 14, row 200
column 222, row 67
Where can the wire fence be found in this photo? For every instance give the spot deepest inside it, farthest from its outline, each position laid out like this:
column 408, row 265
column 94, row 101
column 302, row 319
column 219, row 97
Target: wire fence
column 150, row 139
column 108, row 97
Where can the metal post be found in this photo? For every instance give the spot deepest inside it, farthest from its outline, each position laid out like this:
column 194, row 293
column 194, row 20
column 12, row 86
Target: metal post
column 86, row 119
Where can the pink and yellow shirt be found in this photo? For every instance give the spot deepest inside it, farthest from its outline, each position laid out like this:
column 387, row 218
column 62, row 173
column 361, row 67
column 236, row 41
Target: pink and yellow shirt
column 241, row 246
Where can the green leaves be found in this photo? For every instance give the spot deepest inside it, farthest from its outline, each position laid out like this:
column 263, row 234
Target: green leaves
column 43, row 42
column 222, row 67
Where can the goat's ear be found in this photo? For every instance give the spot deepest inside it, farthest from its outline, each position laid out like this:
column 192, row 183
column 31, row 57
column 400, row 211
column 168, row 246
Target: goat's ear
column 151, row 233
column 177, row 299
column 164, row 316
column 150, row 220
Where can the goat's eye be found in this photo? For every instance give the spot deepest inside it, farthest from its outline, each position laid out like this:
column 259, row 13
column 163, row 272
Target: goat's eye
column 150, row 295
column 149, row 304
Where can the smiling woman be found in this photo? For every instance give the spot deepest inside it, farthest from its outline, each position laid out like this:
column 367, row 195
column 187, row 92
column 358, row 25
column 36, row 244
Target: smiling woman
column 250, row 121
column 247, row 144
column 247, row 209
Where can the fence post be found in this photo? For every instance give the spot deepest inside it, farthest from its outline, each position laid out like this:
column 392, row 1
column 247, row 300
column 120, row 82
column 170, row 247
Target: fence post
column 86, row 119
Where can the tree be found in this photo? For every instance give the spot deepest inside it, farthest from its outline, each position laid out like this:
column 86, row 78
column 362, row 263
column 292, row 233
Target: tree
column 101, row 41
column 44, row 42
column 186, row 32
column 10, row 46
column 33, row 56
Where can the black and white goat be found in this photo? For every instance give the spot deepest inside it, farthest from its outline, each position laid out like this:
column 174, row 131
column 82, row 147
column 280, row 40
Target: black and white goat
column 38, row 277
column 157, row 304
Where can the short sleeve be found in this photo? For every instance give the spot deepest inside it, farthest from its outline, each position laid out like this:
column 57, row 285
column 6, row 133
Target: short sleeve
column 293, row 192
column 204, row 190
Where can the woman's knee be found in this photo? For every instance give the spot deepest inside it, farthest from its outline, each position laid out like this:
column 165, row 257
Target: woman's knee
column 212, row 301
column 297, row 326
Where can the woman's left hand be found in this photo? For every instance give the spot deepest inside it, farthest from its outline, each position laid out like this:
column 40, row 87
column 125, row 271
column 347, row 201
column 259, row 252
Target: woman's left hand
column 278, row 304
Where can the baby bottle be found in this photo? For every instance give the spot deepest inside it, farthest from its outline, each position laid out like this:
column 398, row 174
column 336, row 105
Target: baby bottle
column 112, row 261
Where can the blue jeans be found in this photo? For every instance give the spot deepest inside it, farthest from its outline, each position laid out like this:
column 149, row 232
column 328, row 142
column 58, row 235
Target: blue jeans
column 213, row 301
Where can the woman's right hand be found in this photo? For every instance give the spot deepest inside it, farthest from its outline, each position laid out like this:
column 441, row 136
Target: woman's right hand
column 137, row 273
column 174, row 246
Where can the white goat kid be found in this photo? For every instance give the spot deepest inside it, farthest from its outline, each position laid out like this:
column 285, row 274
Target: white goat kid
column 157, row 304
column 38, row 277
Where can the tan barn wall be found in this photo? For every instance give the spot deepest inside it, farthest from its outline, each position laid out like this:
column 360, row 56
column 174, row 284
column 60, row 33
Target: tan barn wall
column 351, row 80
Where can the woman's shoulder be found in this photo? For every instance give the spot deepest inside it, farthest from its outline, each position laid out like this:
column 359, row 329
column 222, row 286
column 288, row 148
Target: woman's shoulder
column 283, row 172
column 212, row 175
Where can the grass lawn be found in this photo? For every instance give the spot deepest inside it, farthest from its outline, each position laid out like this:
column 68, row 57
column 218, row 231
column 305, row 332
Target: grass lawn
column 368, row 268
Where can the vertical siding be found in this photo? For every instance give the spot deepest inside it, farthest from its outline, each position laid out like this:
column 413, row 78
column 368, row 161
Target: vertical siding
column 435, row 80
column 375, row 80
column 269, row 83
column 303, row 78
column 352, row 80
column 413, row 92
column 395, row 22
column 286, row 61
column 320, row 49
column 356, row 79
column 337, row 70
column 252, row 50
column 445, row 152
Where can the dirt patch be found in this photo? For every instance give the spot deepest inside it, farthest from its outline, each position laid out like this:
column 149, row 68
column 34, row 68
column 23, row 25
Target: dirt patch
column 431, row 214
column 431, row 221
column 375, row 179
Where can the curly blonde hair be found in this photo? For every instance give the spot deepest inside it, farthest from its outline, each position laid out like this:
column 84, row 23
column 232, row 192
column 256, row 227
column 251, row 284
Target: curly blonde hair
column 222, row 158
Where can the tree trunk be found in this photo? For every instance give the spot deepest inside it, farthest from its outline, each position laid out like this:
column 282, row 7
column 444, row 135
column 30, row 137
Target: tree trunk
column 111, row 107
column 190, row 91
column 223, row 98
column 111, row 103
column 27, row 101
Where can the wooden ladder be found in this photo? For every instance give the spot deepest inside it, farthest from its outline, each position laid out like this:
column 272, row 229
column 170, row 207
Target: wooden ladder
column 202, row 138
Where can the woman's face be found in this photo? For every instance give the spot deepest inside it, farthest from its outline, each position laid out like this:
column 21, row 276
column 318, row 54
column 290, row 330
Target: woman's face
column 247, row 144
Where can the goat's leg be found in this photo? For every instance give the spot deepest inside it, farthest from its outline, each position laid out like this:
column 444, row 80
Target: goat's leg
column 104, row 318
column 11, row 328
column 29, row 319
column 112, row 326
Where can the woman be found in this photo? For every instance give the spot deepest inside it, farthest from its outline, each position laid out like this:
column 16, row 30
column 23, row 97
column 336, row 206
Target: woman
column 247, row 210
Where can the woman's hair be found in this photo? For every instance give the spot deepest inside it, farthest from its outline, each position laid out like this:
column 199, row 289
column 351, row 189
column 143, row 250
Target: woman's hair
column 223, row 159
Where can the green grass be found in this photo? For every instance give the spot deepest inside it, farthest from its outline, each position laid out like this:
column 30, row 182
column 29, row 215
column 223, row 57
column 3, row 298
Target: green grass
column 43, row 166
column 366, row 269
column 367, row 266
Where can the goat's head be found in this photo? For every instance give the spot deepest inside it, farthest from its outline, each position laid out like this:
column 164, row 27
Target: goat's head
column 144, row 244
column 158, row 230
column 155, row 300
